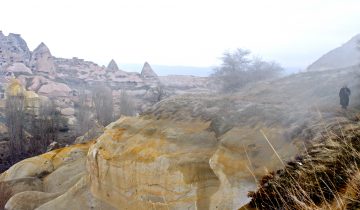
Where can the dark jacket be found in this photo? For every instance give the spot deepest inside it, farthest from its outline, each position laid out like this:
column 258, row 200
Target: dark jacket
column 344, row 96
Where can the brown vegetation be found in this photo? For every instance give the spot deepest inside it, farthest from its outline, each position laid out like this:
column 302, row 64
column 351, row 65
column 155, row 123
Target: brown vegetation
column 83, row 112
column 15, row 113
column 127, row 105
column 319, row 178
column 45, row 127
column 237, row 70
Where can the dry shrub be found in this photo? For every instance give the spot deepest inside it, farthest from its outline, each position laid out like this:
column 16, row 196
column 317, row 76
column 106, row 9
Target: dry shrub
column 317, row 178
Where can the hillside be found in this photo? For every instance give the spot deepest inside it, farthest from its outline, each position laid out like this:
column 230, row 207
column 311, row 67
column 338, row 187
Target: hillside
column 345, row 56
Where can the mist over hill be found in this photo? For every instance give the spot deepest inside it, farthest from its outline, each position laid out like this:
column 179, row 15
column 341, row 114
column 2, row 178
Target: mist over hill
column 344, row 56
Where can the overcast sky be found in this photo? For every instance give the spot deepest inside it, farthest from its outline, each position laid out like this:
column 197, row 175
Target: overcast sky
column 183, row 32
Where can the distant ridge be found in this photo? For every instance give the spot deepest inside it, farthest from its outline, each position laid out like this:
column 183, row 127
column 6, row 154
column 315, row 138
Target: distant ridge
column 344, row 56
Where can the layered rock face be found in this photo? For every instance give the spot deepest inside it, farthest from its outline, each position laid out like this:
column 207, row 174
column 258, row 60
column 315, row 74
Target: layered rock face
column 188, row 152
column 13, row 49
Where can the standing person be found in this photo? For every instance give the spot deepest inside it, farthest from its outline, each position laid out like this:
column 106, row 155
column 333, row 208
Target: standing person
column 344, row 96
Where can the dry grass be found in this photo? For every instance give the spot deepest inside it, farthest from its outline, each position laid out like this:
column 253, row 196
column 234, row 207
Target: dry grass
column 319, row 178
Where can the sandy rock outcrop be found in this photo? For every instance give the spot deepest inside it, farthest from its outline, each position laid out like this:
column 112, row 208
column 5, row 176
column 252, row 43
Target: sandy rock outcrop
column 45, row 173
column 19, row 68
column 29, row 200
column 54, row 89
column 153, row 164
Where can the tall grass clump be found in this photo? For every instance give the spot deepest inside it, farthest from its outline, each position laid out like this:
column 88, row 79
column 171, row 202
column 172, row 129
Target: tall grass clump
column 320, row 178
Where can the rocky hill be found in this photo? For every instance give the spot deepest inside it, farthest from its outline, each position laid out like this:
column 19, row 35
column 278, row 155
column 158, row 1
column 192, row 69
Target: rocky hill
column 62, row 78
column 193, row 151
column 39, row 67
column 345, row 56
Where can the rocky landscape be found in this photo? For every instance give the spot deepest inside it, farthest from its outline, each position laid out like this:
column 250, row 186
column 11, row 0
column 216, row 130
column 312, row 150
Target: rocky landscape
column 41, row 77
column 47, row 75
column 193, row 150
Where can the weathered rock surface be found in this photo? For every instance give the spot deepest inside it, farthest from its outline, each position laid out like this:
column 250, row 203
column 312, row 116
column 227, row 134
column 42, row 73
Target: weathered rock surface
column 45, row 175
column 162, row 168
column 29, row 200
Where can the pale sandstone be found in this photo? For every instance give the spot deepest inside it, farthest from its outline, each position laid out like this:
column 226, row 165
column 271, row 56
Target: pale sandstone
column 55, row 89
column 18, row 68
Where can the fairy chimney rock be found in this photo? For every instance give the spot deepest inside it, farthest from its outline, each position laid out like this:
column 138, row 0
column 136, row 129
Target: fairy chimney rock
column 148, row 72
column 112, row 66
column 42, row 61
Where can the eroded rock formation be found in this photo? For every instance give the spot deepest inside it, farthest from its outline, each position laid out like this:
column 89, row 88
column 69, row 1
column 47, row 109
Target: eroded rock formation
column 42, row 61
column 13, row 49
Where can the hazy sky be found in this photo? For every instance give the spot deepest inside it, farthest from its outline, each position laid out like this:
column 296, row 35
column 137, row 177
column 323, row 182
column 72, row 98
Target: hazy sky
column 183, row 32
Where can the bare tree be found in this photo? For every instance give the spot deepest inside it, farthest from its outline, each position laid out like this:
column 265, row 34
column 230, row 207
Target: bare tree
column 238, row 69
column 84, row 112
column 45, row 126
column 15, row 113
column 103, row 104
column 127, row 105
